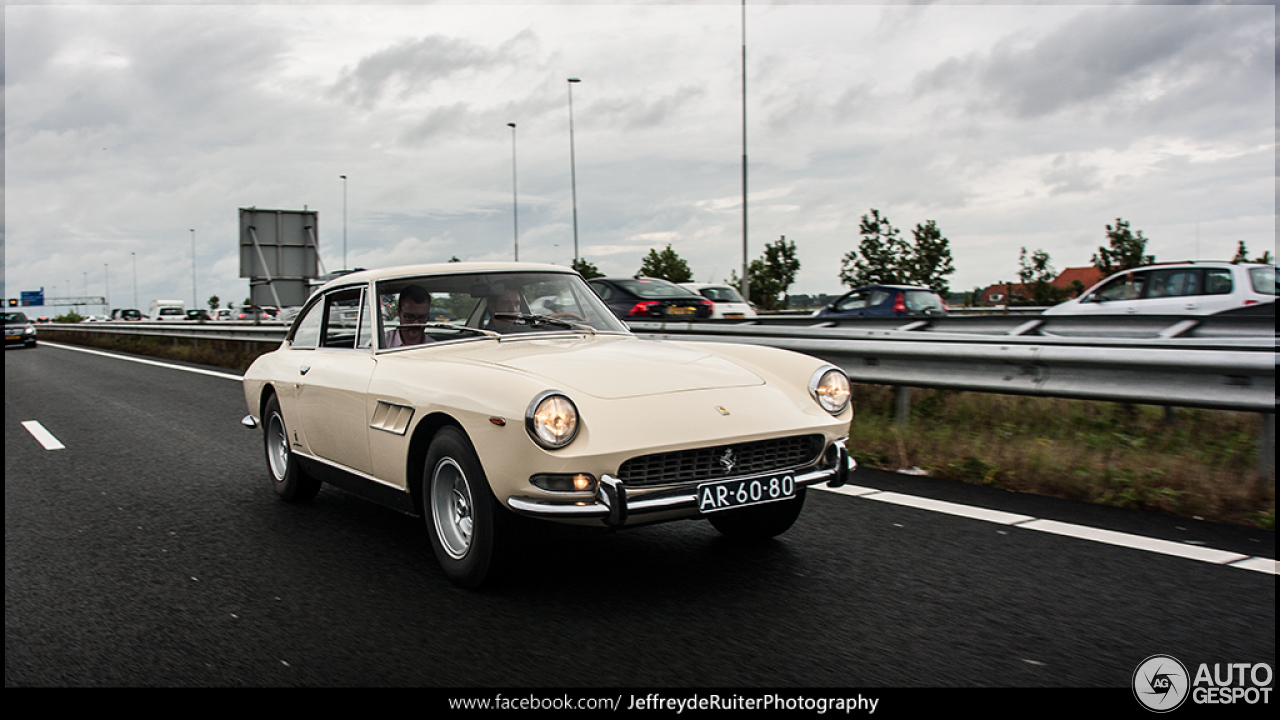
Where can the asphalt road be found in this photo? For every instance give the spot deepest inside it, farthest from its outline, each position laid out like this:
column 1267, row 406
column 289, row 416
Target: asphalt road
column 150, row 551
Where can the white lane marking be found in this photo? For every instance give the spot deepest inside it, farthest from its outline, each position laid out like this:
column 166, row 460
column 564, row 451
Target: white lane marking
column 144, row 361
column 1082, row 532
column 42, row 436
column 1138, row 542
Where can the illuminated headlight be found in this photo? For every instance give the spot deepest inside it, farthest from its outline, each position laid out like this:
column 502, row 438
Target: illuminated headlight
column 28, row 330
column 552, row 420
column 830, row 387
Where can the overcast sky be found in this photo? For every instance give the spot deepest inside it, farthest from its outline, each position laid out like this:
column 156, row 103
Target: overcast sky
column 1011, row 126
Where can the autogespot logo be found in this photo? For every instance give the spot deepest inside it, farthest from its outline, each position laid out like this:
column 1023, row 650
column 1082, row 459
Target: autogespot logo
column 1160, row 683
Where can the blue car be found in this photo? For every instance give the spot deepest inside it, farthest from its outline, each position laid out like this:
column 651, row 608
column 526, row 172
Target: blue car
column 885, row 301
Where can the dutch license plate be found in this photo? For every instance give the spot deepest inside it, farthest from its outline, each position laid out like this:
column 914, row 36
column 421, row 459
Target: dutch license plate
column 733, row 316
column 674, row 310
column 7, row 338
column 727, row 494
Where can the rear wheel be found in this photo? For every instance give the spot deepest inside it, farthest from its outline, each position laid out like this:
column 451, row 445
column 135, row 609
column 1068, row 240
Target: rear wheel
column 288, row 479
column 759, row 522
column 468, row 526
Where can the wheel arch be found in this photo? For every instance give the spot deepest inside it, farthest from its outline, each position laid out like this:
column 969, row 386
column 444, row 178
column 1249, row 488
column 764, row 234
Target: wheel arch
column 423, row 434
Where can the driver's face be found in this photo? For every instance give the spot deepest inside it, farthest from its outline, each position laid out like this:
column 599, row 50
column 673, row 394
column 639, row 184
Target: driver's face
column 413, row 313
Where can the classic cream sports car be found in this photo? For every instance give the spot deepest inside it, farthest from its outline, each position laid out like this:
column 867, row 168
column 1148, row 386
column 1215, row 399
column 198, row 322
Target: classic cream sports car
column 433, row 389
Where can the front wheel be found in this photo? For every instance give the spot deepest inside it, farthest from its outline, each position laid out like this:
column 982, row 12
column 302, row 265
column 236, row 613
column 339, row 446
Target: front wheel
column 759, row 522
column 468, row 525
column 288, row 478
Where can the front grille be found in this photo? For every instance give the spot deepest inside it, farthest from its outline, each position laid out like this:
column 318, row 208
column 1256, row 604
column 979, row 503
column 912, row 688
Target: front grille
column 751, row 458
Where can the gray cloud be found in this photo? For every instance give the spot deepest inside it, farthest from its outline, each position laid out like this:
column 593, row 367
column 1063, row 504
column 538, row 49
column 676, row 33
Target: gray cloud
column 412, row 66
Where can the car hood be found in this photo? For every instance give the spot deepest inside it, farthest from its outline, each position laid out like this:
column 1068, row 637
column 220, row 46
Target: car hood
column 612, row 367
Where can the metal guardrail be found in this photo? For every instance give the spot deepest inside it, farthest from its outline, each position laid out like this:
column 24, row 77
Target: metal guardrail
column 1215, row 362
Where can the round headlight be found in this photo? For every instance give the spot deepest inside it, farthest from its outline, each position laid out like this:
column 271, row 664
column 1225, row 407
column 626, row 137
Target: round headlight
column 830, row 387
column 552, row 420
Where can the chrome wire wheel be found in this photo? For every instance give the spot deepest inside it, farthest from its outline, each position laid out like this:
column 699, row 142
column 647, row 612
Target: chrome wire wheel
column 277, row 448
column 452, row 508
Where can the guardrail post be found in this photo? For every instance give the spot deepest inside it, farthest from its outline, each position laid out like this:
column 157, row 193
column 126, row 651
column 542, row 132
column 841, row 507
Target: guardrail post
column 902, row 394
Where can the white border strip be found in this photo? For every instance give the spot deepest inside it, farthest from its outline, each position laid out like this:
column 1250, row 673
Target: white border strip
column 42, row 436
column 1081, row 532
column 144, row 361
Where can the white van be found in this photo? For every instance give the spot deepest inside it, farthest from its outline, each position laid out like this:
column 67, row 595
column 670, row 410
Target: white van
column 167, row 310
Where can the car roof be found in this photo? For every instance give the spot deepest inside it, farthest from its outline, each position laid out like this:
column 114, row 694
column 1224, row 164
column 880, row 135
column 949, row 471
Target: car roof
column 457, row 268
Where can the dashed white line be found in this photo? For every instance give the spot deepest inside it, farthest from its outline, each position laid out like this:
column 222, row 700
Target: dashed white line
column 1082, row 532
column 43, row 436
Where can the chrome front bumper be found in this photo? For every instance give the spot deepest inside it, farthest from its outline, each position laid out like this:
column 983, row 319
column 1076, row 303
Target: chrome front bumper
column 613, row 504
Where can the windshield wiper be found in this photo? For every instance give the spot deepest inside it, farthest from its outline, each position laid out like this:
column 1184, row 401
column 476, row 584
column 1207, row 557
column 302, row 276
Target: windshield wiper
column 450, row 326
column 535, row 320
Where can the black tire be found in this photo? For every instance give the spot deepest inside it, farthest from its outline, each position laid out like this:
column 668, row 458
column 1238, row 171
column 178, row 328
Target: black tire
column 759, row 522
column 288, row 478
column 469, row 528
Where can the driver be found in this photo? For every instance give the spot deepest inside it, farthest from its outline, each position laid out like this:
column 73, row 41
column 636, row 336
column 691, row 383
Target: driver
column 413, row 309
column 507, row 301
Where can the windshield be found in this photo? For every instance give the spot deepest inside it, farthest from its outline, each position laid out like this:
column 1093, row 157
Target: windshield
column 15, row 318
column 420, row 310
column 721, row 294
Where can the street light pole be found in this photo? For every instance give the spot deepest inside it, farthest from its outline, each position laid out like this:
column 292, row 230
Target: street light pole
column 746, row 283
column 195, row 297
column 515, row 206
column 106, row 276
column 573, row 173
column 344, row 221
column 134, row 255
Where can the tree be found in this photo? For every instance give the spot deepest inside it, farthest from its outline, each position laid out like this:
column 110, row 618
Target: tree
column 1037, row 276
column 1125, row 253
column 666, row 265
column 1242, row 255
column 214, row 300
column 885, row 258
column 586, row 269
column 769, row 276
column 931, row 258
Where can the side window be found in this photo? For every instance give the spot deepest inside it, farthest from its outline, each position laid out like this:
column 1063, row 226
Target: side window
column 878, row 297
column 1217, row 282
column 853, row 302
column 604, row 291
column 1125, row 287
column 342, row 318
column 306, row 336
column 1180, row 282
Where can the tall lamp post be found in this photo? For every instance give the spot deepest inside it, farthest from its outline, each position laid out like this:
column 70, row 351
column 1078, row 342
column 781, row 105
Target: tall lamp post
column 515, row 206
column 106, row 277
column 195, row 297
column 134, row 255
column 344, row 221
column 746, row 282
column 573, row 173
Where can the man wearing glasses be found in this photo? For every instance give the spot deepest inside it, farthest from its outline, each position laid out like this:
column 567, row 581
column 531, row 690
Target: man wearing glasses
column 413, row 309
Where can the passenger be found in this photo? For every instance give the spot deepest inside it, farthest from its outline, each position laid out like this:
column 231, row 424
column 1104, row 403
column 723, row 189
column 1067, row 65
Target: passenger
column 413, row 309
column 505, row 302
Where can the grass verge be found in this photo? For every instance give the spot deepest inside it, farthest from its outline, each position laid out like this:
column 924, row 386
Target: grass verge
column 1189, row 462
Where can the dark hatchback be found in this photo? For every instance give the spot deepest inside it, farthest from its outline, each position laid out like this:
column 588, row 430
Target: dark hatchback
column 642, row 298
column 885, row 301
column 18, row 330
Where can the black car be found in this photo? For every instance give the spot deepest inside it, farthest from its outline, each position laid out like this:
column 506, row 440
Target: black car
column 644, row 298
column 18, row 330
column 127, row 314
column 885, row 301
column 198, row 315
